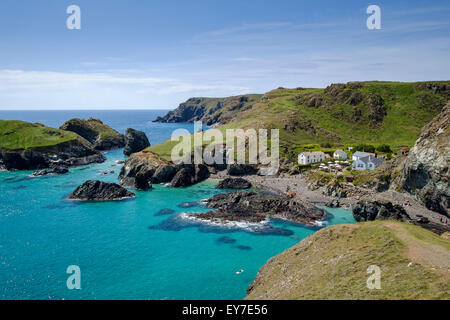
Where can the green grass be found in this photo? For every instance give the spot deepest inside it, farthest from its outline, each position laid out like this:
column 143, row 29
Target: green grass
column 16, row 135
column 332, row 264
column 408, row 106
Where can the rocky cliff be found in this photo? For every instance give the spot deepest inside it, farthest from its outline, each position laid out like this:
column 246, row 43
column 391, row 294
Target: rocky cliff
column 142, row 169
column 135, row 141
column 210, row 110
column 96, row 132
column 426, row 172
column 29, row 146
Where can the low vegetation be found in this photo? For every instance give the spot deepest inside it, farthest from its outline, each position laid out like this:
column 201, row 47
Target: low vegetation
column 17, row 135
column 333, row 263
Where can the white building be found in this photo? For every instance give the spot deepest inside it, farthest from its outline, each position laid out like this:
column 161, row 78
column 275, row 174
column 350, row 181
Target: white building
column 311, row 157
column 367, row 163
column 340, row 154
column 358, row 155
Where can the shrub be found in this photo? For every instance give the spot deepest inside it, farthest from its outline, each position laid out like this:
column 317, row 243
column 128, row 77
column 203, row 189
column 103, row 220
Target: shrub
column 385, row 148
column 365, row 148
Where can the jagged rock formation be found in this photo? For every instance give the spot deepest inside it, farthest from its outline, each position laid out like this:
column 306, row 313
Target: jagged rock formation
column 72, row 153
column 234, row 183
column 94, row 190
column 244, row 206
column 379, row 210
column 135, row 141
column 147, row 166
column 210, row 110
column 54, row 169
column 426, row 171
column 96, row 132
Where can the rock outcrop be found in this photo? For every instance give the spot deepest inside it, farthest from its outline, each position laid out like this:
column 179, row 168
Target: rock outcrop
column 379, row 210
column 54, row 169
column 147, row 166
column 210, row 111
column 426, row 171
column 234, row 183
column 96, row 132
column 75, row 152
column 241, row 169
column 94, row 190
column 135, row 141
column 245, row 206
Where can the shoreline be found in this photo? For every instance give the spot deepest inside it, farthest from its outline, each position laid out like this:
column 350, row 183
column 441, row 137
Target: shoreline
column 284, row 183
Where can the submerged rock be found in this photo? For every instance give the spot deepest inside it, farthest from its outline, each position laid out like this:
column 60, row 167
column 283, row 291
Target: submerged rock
column 135, row 141
column 58, row 169
column 234, row 183
column 379, row 210
column 100, row 191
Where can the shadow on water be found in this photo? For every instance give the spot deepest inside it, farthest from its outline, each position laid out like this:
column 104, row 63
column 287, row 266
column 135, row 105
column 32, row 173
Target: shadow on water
column 165, row 211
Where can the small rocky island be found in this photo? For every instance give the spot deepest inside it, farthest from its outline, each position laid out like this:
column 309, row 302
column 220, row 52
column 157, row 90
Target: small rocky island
column 252, row 207
column 94, row 190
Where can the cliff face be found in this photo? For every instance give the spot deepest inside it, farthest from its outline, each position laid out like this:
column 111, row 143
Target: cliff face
column 96, row 132
column 426, row 170
column 333, row 264
column 29, row 146
column 71, row 153
column 210, row 110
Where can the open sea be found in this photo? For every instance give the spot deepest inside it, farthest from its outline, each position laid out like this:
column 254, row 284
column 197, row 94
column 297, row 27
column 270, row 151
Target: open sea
column 133, row 249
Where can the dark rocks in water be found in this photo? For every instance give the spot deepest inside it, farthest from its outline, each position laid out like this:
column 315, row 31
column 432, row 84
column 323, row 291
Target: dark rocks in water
column 189, row 175
column 100, row 191
column 234, row 183
column 244, row 206
column 165, row 211
column 164, row 173
column 241, row 169
column 70, row 153
column 157, row 170
column 226, row 240
column 142, row 183
column 57, row 169
column 379, row 210
column 135, row 141
column 96, row 132
column 241, row 247
column 333, row 204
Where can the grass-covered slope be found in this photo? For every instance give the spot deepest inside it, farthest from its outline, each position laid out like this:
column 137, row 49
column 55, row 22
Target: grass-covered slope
column 18, row 135
column 102, row 136
column 375, row 113
column 333, row 262
column 360, row 112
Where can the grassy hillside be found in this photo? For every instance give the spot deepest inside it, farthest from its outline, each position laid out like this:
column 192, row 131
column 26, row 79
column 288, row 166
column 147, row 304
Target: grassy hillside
column 333, row 262
column 16, row 135
column 375, row 113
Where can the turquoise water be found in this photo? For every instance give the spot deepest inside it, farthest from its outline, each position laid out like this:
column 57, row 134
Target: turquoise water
column 125, row 250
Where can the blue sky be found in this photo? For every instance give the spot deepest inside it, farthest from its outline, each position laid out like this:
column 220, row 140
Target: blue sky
column 156, row 54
